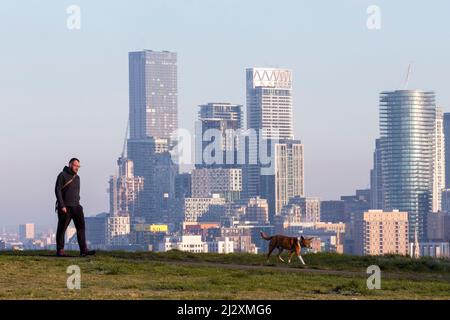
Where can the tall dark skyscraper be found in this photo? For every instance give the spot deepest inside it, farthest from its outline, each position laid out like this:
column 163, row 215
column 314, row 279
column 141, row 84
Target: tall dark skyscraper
column 407, row 132
column 153, row 94
column 375, row 179
column 447, row 149
column 153, row 118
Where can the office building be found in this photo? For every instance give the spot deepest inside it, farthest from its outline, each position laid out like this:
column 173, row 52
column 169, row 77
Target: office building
column 194, row 208
column 26, row 231
column 96, row 229
column 309, row 208
column 445, row 200
column 159, row 173
column 225, row 182
column 332, row 211
column 257, row 210
column 285, row 179
column 217, row 135
column 183, row 185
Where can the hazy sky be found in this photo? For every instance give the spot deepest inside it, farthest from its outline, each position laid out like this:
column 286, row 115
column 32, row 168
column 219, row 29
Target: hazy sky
column 64, row 92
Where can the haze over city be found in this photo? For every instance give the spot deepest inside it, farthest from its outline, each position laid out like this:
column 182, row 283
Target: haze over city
column 65, row 93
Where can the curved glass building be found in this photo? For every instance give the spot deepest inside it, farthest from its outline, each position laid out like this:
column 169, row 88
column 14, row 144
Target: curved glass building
column 407, row 132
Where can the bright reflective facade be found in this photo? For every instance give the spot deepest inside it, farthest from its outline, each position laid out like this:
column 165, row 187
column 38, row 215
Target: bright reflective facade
column 407, row 130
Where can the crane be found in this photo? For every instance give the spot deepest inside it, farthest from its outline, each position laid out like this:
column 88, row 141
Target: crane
column 408, row 73
column 125, row 140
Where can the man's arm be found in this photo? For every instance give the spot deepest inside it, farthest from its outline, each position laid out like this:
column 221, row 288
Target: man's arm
column 58, row 190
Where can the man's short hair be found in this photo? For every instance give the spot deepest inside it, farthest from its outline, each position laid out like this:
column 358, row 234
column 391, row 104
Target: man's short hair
column 73, row 159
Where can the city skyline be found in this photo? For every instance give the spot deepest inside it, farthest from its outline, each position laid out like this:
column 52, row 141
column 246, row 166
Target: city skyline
column 320, row 164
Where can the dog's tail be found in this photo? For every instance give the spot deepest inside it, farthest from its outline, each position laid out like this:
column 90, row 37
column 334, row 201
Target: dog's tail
column 265, row 236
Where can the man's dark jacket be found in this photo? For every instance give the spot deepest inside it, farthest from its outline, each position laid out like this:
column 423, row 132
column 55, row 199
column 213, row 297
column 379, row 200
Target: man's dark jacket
column 70, row 195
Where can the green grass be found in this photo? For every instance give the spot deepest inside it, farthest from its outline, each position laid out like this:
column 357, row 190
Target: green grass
column 179, row 275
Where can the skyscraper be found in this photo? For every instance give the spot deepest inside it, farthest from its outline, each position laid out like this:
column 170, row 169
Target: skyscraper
column 269, row 113
column 159, row 172
column 269, row 102
column 225, row 119
column 153, row 94
column 447, row 148
column 407, row 129
column 439, row 163
column 153, row 118
column 287, row 179
column 222, row 111
column 375, row 179
column 141, row 152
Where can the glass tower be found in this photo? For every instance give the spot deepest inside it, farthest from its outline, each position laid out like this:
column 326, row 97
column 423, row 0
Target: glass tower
column 153, row 94
column 407, row 130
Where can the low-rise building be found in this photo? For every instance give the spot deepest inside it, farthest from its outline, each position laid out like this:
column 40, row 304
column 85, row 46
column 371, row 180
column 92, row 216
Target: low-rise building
column 188, row 243
column 309, row 208
column 117, row 230
column 224, row 181
column 435, row 249
column 194, row 208
column 221, row 245
column 438, row 226
column 242, row 239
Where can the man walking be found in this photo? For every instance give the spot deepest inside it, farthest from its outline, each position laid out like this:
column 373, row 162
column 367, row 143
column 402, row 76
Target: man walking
column 67, row 191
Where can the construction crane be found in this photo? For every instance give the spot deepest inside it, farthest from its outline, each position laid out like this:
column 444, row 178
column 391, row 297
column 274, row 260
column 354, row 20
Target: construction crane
column 124, row 148
column 408, row 73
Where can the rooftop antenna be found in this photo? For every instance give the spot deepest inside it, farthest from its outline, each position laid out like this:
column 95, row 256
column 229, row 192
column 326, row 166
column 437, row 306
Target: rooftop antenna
column 408, row 73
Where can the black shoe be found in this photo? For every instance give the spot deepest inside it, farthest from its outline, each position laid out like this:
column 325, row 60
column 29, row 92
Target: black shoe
column 87, row 253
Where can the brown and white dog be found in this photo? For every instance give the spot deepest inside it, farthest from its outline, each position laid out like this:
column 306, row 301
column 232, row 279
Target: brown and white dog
column 292, row 244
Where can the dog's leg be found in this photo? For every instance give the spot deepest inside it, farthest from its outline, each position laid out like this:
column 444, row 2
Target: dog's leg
column 279, row 252
column 301, row 259
column 270, row 252
column 290, row 256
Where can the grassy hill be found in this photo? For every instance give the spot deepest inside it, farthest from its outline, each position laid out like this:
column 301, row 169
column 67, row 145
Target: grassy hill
column 179, row 275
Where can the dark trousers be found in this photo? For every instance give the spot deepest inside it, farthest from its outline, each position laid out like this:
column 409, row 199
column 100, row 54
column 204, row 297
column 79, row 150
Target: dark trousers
column 75, row 213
